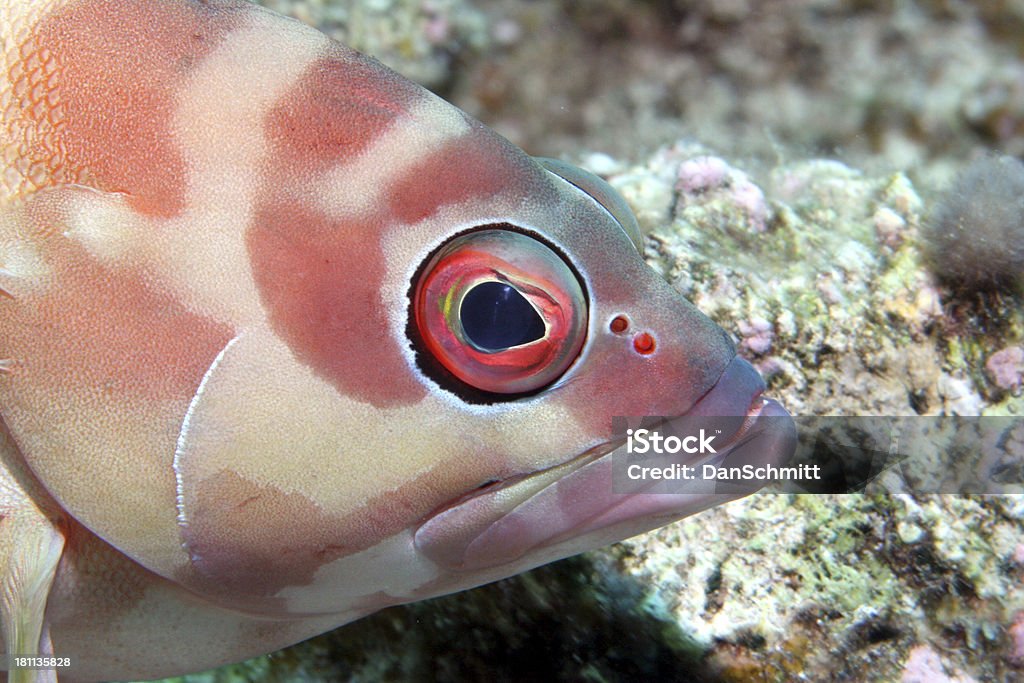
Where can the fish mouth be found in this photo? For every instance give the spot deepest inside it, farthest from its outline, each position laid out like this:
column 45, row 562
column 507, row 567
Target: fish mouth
column 588, row 501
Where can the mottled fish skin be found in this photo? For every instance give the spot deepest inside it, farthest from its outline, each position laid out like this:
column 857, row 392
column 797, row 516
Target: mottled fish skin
column 211, row 218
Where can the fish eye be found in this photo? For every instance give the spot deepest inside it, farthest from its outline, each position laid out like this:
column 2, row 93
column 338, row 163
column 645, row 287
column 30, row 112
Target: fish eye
column 501, row 311
column 601, row 192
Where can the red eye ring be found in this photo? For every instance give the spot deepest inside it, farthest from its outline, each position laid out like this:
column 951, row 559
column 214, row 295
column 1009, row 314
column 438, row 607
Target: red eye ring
column 500, row 311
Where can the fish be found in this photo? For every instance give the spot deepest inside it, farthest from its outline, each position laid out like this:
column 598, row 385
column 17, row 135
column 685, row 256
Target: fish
column 286, row 339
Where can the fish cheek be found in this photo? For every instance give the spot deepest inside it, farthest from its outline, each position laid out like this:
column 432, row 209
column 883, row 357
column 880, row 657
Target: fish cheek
column 249, row 541
column 254, row 539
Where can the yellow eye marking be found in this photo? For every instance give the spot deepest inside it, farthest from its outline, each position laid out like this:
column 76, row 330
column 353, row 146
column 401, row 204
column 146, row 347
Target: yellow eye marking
column 447, row 303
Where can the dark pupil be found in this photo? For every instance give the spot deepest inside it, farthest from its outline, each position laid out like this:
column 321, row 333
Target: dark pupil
column 495, row 317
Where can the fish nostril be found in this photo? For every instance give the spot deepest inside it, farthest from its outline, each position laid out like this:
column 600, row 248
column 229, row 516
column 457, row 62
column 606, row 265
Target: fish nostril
column 619, row 324
column 644, row 343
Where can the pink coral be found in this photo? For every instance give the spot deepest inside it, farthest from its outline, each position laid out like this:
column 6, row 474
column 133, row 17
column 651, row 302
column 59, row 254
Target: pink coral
column 1017, row 639
column 1006, row 368
column 757, row 334
column 750, row 199
column 710, row 181
column 702, row 174
column 925, row 666
column 891, row 229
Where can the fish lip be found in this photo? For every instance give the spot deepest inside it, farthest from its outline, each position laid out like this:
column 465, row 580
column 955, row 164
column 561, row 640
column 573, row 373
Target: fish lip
column 456, row 534
column 574, row 463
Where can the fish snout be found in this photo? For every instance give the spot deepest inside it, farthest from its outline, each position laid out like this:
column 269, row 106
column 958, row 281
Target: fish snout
column 588, row 502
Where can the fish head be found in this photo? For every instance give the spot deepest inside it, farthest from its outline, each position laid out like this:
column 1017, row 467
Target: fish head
column 469, row 434
column 318, row 342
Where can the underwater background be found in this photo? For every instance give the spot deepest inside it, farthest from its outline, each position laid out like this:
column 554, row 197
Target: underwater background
column 834, row 182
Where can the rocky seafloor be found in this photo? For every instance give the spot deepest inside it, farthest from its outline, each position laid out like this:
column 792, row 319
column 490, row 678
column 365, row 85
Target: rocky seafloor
column 791, row 163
